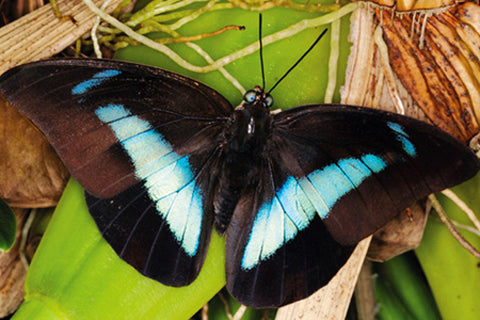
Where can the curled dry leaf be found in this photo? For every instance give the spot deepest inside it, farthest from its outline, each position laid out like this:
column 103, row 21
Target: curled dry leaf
column 424, row 64
column 400, row 235
column 12, row 273
column 437, row 68
column 31, row 174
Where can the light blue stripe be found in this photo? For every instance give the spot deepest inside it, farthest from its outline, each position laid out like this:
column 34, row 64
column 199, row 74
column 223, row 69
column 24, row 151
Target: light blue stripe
column 292, row 208
column 112, row 112
column 298, row 200
column 95, row 81
column 137, row 141
column 355, row 169
column 275, row 231
column 167, row 177
column 402, row 136
column 331, row 183
column 253, row 249
column 158, row 164
column 316, row 199
column 375, row 163
column 397, row 128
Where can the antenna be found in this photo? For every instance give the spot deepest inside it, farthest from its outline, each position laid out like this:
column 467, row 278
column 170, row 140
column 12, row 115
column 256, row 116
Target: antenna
column 261, row 50
column 296, row 63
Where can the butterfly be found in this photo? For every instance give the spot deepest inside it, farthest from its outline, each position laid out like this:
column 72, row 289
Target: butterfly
column 164, row 158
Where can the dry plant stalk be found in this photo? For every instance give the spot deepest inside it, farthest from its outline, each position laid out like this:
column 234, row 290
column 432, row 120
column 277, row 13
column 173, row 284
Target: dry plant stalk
column 332, row 301
column 39, row 34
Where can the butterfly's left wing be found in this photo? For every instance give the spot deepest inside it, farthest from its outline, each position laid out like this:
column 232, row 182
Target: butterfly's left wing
column 142, row 141
column 331, row 175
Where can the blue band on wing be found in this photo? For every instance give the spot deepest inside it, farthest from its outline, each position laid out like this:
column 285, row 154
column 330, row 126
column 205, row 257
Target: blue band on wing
column 402, row 136
column 298, row 200
column 167, row 176
column 95, row 81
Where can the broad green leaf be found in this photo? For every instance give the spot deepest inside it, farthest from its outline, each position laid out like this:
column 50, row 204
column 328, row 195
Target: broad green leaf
column 8, row 226
column 76, row 275
column 452, row 272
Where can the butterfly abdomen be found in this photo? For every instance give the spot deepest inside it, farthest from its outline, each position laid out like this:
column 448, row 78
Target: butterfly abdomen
column 245, row 140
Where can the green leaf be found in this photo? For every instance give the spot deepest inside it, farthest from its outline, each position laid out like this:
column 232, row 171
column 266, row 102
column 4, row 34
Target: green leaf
column 452, row 272
column 402, row 291
column 8, row 226
column 306, row 84
column 76, row 275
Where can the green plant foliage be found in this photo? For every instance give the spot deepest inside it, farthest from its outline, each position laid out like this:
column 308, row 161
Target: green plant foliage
column 305, row 85
column 401, row 291
column 452, row 272
column 76, row 275
column 8, row 226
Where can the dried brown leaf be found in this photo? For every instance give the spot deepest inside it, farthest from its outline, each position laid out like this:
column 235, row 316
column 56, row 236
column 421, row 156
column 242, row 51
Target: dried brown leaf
column 456, row 50
column 424, row 79
column 469, row 13
column 402, row 234
column 31, row 174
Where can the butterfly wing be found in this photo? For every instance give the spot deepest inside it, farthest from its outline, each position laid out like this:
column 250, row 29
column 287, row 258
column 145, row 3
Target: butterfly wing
column 272, row 257
column 331, row 176
column 141, row 141
column 376, row 163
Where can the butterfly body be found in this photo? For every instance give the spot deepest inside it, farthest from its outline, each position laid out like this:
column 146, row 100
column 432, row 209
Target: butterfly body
column 246, row 135
column 164, row 158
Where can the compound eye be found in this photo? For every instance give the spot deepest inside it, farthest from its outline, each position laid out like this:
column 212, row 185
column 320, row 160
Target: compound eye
column 268, row 101
column 250, row 96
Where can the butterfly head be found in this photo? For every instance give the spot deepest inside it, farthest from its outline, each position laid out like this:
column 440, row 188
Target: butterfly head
column 250, row 123
column 258, row 97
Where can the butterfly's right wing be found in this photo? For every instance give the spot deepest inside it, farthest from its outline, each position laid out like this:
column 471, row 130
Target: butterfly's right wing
column 143, row 142
column 331, row 175
column 366, row 164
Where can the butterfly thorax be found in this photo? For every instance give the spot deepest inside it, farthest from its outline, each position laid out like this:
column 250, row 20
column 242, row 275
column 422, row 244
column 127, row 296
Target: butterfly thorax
column 245, row 138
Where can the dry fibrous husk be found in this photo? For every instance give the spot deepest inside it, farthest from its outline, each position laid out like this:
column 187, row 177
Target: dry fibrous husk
column 413, row 5
column 424, row 65
column 40, row 34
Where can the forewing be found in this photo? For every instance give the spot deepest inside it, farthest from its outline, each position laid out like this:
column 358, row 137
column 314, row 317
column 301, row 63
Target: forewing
column 141, row 141
column 362, row 166
column 63, row 98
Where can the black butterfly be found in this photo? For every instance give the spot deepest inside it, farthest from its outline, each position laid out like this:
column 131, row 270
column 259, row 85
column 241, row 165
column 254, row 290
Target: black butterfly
column 163, row 158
